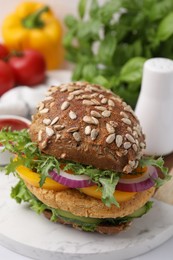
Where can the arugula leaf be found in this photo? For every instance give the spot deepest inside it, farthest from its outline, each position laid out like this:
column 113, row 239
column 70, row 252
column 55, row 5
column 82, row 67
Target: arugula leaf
column 28, row 154
column 108, row 189
column 159, row 163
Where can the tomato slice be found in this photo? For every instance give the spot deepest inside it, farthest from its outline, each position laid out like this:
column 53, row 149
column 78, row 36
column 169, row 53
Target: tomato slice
column 95, row 192
column 33, row 178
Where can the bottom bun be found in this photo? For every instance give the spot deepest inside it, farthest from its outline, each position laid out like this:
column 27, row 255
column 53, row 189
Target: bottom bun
column 79, row 204
column 102, row 229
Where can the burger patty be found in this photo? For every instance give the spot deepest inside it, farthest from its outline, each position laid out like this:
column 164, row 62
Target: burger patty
column 83, row 205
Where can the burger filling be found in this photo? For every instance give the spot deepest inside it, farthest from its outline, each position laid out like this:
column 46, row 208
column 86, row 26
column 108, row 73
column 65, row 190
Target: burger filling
column 21, row 194
column 46, row 171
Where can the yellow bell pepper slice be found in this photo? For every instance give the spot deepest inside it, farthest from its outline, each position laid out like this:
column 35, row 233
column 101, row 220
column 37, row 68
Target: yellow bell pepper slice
column 95, row 192
column 33, row 178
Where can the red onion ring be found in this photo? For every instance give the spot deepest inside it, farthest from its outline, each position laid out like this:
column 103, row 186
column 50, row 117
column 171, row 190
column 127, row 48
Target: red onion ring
column 144, row 182
column 71, row 180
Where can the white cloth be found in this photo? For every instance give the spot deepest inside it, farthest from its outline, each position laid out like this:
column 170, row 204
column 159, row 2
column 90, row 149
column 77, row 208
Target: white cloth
column 22, row 100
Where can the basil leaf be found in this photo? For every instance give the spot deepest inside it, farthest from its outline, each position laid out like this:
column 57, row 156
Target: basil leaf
column 132, row 70
column 82, row 7
column 107, row 49
column 165, row 29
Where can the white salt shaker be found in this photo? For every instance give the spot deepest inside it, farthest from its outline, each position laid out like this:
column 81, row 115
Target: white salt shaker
column 155, row 106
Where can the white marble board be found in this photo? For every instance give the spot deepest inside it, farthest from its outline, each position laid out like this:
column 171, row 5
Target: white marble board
column 25, row 232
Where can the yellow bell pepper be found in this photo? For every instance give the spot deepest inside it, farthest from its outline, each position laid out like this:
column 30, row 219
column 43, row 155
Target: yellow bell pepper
column 33, row 26
column 33, row 178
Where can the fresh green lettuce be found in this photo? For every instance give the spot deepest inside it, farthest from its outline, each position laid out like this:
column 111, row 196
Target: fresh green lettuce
column 28, row 154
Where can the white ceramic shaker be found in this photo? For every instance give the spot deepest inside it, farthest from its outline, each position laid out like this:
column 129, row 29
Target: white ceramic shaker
column 155, row 106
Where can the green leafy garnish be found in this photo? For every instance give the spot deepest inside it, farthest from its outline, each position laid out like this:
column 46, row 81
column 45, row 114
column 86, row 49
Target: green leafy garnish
column 28, row 154
column 109, row 42
column 159, row 163
column 108, row 189
column 21, row 194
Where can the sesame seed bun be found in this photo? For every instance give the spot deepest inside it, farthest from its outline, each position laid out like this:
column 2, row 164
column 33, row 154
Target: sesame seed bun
column 85, row 123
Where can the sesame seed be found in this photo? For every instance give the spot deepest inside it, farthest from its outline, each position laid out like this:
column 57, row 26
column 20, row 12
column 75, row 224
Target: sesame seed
column 104, row 101
column 44, row 111
column 94, row 95
column 111, row 103
column 106, row 113
column 124, row 114
column 49, row 131
column 126, row 121
column 72, row 88
column 134, row 146
column 55, row 120
column 48, row 98
column 58, row 136
column 129, row 129
column 72, row 115
column 110, row 128
column 44, row 144
column 127, row 168
column 119, row 140
column 130, row 138
column 40, row 135
column 87, row 102
column 63, row 88
column 59, row 127
column 88, row 130
column 127, row 145
column 100, row 108
column 70, row 97
column 128, row 109
column 77, row 92
column 41, row 106
column 76, row 136
column 110, row 138
column 131, row 163
column 63, row 155
column 73, row 129
column 65, row 105
column 90, row 120
column 94, row 134
column 46, row 121
column 142, row 145
column 95, row 114
column 52, row 104
column 95, row 101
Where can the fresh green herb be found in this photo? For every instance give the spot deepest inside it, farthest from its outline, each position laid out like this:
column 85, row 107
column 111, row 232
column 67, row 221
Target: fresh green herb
column 108, row 189
column 159, row 163
column 28, row 154
column 21, row 194
column 110, row 42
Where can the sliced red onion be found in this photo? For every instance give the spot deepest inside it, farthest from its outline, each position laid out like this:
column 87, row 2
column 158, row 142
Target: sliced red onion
column 71, row 180
column 141, row 183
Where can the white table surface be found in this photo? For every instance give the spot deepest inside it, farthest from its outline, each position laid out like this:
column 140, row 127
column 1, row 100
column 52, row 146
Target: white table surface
column 165, row 251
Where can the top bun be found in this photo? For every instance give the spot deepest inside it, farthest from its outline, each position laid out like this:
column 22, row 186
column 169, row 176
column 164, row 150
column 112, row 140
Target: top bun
column 85, row 123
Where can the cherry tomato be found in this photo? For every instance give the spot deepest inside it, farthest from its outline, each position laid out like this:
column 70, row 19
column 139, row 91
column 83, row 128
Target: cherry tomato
column 3, row 51
column 7, row 80
column 28, row 66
